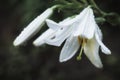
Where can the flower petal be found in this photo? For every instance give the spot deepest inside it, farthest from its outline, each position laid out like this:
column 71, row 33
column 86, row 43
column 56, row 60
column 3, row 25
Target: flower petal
column 103, row 47
column 53, row 25
column 69, row 49
column 65, row 21
column 91, row 51
column 60, row 35
column 98, row 31
column 41, row 39
column 89, row 29
column 98, row 36
column 63, row 29
column 80, row 22
column 68, row 21
column 33, row 27
column 86, row 26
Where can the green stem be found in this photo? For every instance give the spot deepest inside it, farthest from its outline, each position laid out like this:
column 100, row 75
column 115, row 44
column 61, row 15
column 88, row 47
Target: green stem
column 84, row 1
column 61, row 1
column 95, row 5
column 76, row 2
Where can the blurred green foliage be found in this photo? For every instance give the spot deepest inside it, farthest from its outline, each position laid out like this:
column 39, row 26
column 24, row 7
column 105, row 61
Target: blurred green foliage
column 42, row 63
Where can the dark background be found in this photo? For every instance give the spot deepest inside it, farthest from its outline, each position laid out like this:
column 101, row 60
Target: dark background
column 42, row 63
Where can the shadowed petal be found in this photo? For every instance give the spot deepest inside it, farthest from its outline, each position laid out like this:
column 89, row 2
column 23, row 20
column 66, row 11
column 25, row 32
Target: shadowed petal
column 69, row 49
column 98, row 36
column 91, row 51
column 98, row 31
column 103, row 47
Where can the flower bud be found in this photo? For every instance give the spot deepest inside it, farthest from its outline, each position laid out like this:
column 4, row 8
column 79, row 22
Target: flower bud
column 33, row 27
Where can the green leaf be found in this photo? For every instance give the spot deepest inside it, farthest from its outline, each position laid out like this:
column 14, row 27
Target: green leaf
column 100, row 19
column 113, row 18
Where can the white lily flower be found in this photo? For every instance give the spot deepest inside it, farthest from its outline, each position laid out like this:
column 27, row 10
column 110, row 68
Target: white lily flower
column 33, row 27
column 81, row 30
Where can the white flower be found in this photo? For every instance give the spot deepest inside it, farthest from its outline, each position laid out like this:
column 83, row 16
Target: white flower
column 80, row 30
column 33, row 27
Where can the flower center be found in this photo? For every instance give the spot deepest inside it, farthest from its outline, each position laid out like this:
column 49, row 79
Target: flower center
column 82, row 41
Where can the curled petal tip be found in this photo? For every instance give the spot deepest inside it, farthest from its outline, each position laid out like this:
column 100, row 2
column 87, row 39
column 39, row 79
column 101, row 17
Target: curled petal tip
column 108, row 52
column 62, row 60
column 35, row 44
column 99, row 66
column 17, row 42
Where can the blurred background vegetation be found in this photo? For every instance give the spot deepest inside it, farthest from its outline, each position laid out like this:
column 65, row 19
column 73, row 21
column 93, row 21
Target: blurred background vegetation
column 42, row 63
